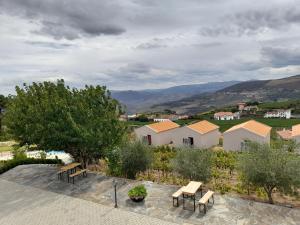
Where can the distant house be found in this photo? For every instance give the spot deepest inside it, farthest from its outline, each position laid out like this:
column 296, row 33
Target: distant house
column 132, row 117
column 226, row 116
column 251, row 108
column 279, row 113
column 162, row 118
column 199, row 135
column 157, row 133
column 296, row 133
column 241, row 106
column 236, row 137
column 123, row 118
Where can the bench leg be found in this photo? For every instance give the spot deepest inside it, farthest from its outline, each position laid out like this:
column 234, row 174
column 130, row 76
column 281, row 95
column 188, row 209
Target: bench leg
column 204, row 208
column 194, row 203
column 213, row 199
column 73, row 180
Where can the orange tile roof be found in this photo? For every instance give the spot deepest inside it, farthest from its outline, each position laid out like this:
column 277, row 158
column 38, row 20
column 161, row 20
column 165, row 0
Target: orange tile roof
column 254, row 127
column 163, row 126
column 203, row 127
column 285, row 134
column 296, row 130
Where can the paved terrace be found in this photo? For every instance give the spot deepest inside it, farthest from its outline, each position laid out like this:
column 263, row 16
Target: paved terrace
column 33, row 193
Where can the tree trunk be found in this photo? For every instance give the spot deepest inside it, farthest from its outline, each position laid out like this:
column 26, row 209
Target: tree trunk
column 269, row 193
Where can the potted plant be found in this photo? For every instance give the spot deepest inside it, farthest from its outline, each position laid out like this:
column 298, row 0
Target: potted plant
column 138, row 193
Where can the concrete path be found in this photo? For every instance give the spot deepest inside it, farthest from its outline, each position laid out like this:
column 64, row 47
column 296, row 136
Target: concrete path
column 24, row 205
column 97, row 189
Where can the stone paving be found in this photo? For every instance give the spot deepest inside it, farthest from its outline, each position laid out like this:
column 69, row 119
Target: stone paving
column 25, row 205
column 158, row 204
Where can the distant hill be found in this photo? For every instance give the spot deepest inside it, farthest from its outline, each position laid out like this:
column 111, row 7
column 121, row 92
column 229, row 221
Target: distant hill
column 257, row 90
column 141, row 101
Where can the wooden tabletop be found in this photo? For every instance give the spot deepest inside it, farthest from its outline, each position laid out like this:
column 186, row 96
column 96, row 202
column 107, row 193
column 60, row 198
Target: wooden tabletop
column 191, row 188
column 70, row 166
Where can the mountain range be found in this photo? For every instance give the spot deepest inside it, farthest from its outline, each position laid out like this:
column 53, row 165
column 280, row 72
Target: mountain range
column 143, row 100
column 255, row 90
column 197, row 98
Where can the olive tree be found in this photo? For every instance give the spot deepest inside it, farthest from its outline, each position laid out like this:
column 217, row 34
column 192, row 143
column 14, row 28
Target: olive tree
column 84, row 123
column 193, row 164
column 135, row 157
column 270, row 168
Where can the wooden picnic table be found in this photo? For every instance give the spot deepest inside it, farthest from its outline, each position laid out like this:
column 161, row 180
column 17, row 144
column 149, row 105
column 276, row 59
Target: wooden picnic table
column 190, row 190
column 67, row 169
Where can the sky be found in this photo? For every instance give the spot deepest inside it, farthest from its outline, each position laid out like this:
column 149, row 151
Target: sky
column 147, row 44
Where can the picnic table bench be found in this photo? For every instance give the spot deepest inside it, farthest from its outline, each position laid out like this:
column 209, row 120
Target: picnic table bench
column 190, row 191
column 176, row 195
column 205, row 200
column 77, row 173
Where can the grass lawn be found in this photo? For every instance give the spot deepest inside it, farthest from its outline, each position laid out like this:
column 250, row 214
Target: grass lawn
column 6, row 148
column 226, row 124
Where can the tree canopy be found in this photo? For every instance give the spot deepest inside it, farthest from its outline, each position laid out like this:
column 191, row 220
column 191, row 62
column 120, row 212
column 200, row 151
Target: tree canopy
column 83, row 122
column 270, row 168
column 193, row 164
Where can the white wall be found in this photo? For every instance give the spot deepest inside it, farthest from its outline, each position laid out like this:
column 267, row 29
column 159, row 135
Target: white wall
column 297, row 139
column 162, row 138
column 200, row 141
column 233, row 139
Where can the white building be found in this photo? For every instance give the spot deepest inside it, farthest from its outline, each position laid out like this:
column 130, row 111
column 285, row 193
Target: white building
column 280, row 113
column 157, row 133
column 226, row 116
column 160, row 120
column 236, row 137
column 198, row 135
column 296, row 133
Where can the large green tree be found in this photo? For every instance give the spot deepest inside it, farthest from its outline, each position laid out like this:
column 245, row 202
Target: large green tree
column 83, row 122
column 3, row 104
column 270, row 168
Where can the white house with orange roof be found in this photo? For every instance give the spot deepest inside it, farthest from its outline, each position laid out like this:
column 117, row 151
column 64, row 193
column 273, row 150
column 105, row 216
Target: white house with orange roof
column 235, row 138
column 198, row 135
column 296, row 133
column 157, row 133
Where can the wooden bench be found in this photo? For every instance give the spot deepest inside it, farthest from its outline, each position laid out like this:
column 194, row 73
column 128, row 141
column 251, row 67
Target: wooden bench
column 176, row 196
column 60, row 173
column 77, row 173
column 205, row 200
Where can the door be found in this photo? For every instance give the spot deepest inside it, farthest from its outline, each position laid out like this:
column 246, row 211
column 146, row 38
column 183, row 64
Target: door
column 191, row 140
column 149, row 140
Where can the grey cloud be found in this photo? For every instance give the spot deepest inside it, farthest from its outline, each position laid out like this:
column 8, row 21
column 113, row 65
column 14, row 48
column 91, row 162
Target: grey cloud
column 68, row 19
column 52, row 45
column 281, row 57
column 253, row 21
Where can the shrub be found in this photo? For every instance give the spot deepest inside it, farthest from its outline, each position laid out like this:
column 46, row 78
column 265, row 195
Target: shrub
column 7, row 165
column 138, row 191
column 193, row 164
column 135, row 157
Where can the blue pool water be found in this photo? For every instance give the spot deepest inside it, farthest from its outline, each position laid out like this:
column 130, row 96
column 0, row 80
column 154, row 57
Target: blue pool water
column 54, row 152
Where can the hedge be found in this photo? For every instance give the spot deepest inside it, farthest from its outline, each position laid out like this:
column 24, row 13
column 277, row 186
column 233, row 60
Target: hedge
column 7, row 165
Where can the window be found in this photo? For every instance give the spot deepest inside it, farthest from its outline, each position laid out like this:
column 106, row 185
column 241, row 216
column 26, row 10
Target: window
column 147, row 139
column 188, row 141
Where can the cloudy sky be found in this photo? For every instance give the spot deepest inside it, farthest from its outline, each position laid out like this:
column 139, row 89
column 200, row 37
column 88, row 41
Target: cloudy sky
column 137, row 44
